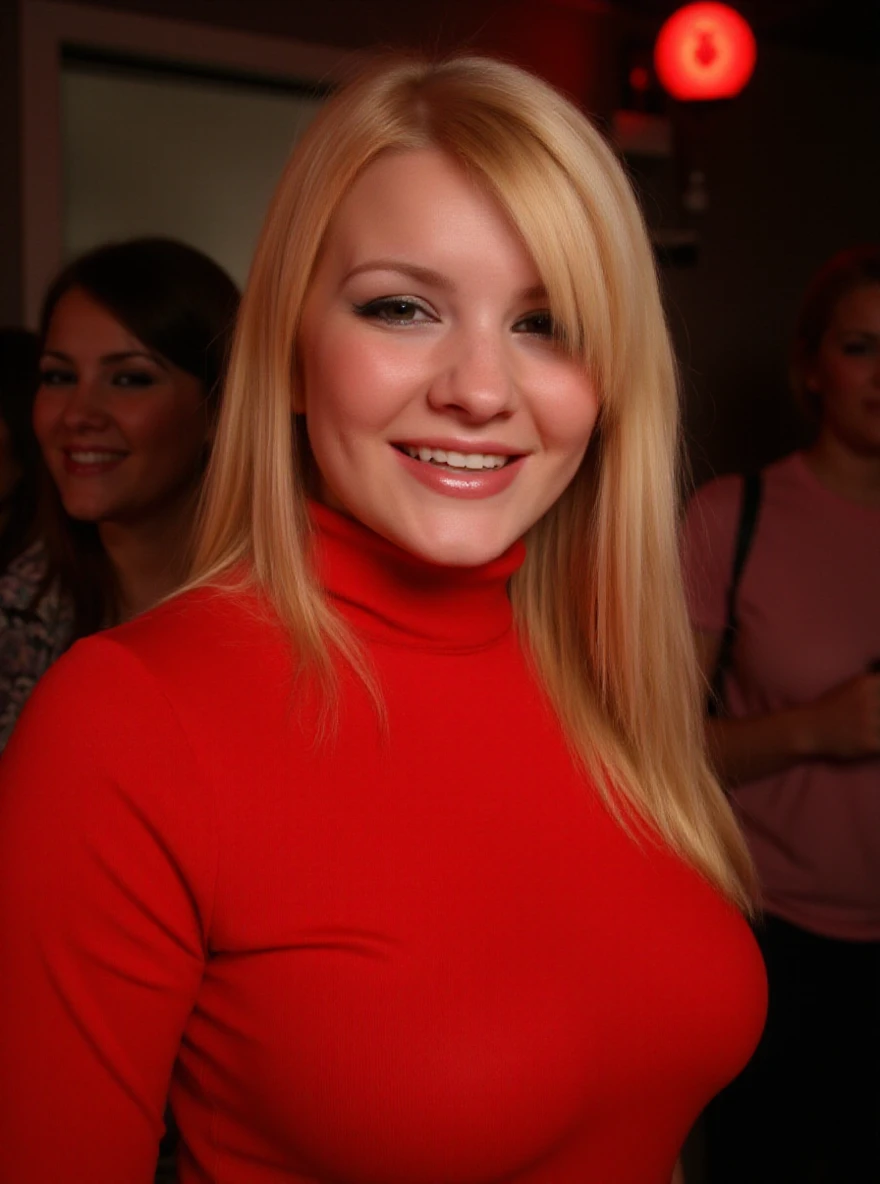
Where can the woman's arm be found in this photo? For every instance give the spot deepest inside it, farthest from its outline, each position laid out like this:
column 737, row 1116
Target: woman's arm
column 844, row 724
column 106, row 865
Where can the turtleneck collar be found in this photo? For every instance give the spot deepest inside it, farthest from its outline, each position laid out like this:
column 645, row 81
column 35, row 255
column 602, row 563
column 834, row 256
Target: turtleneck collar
column 389, row 595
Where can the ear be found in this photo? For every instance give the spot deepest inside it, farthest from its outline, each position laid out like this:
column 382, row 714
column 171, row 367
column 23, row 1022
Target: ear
column 811, row 381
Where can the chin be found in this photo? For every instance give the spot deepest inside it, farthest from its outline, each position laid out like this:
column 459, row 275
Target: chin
column 84, row 513
column 461, row 546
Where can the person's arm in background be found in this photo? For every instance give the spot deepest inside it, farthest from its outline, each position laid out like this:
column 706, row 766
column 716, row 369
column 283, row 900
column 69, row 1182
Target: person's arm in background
column 678, row 1174
column 843, row 724
column 106, row 878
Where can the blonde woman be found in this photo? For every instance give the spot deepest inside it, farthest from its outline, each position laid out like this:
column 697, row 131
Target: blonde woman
column 390, row 845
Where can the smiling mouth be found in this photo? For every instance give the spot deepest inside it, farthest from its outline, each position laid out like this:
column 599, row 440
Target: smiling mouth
column 443, row 458
column 93, row 456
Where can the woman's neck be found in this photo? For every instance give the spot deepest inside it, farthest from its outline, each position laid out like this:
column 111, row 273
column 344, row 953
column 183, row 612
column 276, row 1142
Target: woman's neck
column 851, row 474
column 148, row 557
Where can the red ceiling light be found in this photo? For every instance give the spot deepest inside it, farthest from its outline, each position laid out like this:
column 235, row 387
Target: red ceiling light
column 705, row 51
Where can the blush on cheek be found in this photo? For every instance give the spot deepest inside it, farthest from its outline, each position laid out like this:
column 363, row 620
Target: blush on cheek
column 573, row 425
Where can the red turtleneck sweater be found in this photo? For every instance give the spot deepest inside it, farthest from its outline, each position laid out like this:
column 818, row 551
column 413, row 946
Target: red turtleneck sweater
column 418, row 955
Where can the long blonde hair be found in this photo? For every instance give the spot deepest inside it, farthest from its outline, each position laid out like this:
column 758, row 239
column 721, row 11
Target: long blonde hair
column 598, row 602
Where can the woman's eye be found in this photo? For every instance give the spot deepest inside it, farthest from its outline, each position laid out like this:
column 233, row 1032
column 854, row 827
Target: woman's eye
column 57, row 377
column 393, row 310
column 856, row 349
column 134, row 378
column 539, row 324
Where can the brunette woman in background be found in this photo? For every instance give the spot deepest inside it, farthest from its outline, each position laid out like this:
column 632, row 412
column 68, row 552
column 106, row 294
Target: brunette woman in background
column 134, row 338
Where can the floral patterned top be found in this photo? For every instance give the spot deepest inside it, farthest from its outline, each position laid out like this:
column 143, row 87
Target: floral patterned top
column 36, row 627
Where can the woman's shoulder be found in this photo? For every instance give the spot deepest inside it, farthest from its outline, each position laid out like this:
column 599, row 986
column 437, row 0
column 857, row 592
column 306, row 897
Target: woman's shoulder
column 716, row 505
column 221, row 621
column 190, row 645
column 23, row 577
column 170, row 700
column 203, row 652
column 712, row 513
column 718, row 494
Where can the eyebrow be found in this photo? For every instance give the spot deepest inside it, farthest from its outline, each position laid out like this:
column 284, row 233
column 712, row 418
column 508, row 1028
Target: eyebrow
column 427, row 275
column 111, row 359
column 424, row 275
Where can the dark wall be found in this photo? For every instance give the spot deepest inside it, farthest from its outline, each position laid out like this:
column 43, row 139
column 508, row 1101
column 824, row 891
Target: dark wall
column 10, row 165
column 793, row 175
column 520, row 27
column 350, row 23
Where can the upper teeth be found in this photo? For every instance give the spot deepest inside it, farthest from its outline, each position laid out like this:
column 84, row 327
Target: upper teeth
column 93, row 458
column 456, row 460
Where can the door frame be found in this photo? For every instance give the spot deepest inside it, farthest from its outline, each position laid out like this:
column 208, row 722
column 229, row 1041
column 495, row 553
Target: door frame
column 48, row 27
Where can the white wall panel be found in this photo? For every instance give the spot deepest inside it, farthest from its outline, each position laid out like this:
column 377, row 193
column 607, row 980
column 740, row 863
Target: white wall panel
column 191, row 158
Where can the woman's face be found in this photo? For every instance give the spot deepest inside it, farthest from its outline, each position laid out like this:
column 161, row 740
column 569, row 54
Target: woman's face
column 440, row 410
column 846, row 371
column 122, row 430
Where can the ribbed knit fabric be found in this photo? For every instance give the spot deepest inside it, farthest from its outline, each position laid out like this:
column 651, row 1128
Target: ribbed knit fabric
column 412, row 953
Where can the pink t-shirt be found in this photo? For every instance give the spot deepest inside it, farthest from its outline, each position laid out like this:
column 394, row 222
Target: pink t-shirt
column 809, row 613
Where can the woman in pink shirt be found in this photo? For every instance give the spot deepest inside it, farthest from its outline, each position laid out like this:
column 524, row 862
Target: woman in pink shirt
column 799, row 746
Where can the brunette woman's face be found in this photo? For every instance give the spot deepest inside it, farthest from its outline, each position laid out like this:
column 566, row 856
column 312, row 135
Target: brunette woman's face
column 123, row 431
column 845, row 374
column 440, row 409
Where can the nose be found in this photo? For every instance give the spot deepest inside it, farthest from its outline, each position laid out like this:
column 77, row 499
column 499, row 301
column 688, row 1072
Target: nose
column 83, row 407
column 475, row 378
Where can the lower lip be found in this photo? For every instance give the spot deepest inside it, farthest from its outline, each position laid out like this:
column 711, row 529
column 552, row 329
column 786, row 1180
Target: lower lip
column 95, row 469
column 466, row 483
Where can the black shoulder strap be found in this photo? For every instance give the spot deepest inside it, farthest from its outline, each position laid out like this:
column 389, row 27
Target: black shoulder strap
column 748, row 520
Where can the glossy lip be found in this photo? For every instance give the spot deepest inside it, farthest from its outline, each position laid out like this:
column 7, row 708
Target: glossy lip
column 76, row 469
column 463, row 483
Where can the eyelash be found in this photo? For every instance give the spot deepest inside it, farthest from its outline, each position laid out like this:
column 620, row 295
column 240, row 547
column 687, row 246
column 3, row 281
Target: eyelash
column 381, row 310
column 539, row 323
column 128, row 379
column 548, row 326
column 134, row 378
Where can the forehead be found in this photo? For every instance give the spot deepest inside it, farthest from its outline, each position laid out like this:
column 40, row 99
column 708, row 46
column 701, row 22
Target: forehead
column 858, row 308
column 82, row 324
column 421, row 204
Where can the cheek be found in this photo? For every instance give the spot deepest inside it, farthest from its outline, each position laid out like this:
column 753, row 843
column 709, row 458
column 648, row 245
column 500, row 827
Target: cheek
column 352, row 382
column 567, row 413
column 838, row 377
column 167, row 434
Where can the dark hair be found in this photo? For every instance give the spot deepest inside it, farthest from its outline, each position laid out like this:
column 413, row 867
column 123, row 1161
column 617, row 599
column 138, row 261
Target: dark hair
column 19, row 377
column 840, row 275
column 179, row 304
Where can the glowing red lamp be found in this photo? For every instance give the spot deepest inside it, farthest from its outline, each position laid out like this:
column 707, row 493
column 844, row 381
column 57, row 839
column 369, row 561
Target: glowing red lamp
column 705, row 51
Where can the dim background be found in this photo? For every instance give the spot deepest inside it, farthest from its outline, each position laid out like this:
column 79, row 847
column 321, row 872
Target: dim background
column 125, row 117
